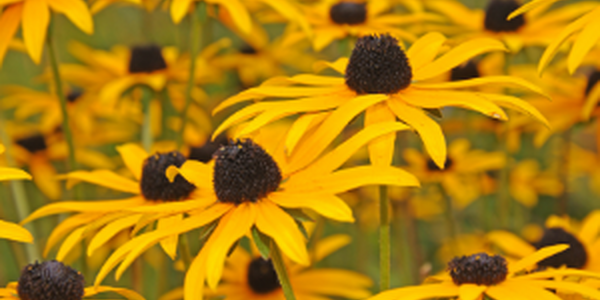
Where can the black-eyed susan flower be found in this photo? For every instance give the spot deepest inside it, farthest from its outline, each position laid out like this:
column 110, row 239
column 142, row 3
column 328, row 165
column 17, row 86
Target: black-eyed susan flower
column 248, row 188
column 583, row 31
column 482, row 275
column 527, row 181
column 388, row 84
column 582, row 238
column 333, row 20
column 536, row 28
column 460, row 176
column 34, row 17
column 11, row 173
column 53, row 280
column 156, row 199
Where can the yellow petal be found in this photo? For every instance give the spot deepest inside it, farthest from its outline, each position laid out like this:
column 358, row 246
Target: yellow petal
column 339, row 65
column 36, row 17
column 537, row 256
column 282, row 228
column 178, row 9
column 14, row 232
column 530, row 291
column 77, row 11
column 425, row 291
column 194, row 278
column 133, row 156
column 510, row 243
column 469, row 291
column 587, row 38
column 303, row 124
column 425, row 49
column 9, row 22
column 332, row 282
column 590, row 227
column 429, row 131
column 329, row 206
column 66, row 226
column 457, row 56
column 231, row 228
column 44, row 176
column 70, row 242
column 529, row 6
column 571, row 287
column 330, row 244
column 518, row 105
column 104, row 178
column 109, row 231
column 381, row 149
column 169, row 245
column 128, row 294
column 112, row 91
column 495, row 80
column 309, row 79
column 238, row 13
column 503, row 291
column 198, row 173
column 13, row 174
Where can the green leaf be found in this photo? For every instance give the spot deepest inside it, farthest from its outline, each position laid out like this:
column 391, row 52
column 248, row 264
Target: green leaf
column 262, row 242
column 298, row 214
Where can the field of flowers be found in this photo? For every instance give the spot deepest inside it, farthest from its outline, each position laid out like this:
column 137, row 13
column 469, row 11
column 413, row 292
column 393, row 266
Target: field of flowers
column 299, row 149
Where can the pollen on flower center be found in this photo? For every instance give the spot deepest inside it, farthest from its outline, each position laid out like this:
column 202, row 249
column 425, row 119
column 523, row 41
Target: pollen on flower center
column 574, row 257
column 465, row 71
column 496, row 13
column 262, row 277
column 347, row 12
column 146, row 59
column 378, row 66
column 33, row 143
column 592, row 81
column 244, row 172
column 50, row 280
column 480, row 269
column 154, row 183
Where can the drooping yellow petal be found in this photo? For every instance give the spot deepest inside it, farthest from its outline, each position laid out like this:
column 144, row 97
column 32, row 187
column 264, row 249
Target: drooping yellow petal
column 503, row 291
column 169, row 245
column 571, row 287
column 332, row 282
column 133, row 156
column 13, row 174
column 112, row 91
column 381, row 149
column 104, row 178
column 510, row 243
column 71, row 241
column 518, row 105
column 44, row 176
column 529, row 6
column 178, row 9
column 9, row 22
column 425, row 291
column 339, row 65
column 590, row 227
column 330, row 244
column 109, row 231
column 238, row 13
column 586, row 40
column 329, row 206
column 77, row 11
column 425, row 49
column 274, row 222
column 36, row 17
column 14, row 232
column 231, row 228
column 479, row 81
column 173, row 207
column 457, row 56
column 198, row 173
column 129, row 294
column 302, row 125
column 194, row 278
column 66, row 226
column 309, row 79
column 429, row 131
column 554, row 273
column 534, row 258
column 469, row 291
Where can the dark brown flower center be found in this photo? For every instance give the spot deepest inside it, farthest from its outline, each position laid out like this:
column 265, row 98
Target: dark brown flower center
column 247, row 49
column 378, row 66
column 480, row 269
column 574, row 257
column 33, row 143
column 592, row 81
column 206, row 152
column 74, row 95
column 50, row 280
column 465, row 71
column 432, row 166
column 154, row 183
column 244, row 172
column 496, row 13
column 262, row 277
column 347, row 12
column 146, row 59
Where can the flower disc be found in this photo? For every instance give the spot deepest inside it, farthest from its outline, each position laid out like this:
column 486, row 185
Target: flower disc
column 244, row 172
column 146, row 59
column 33, row 143
column 154, row 183
column 465, row 71
column 496, row 13
column 378, row 66
column 262, row 277
column 50, row 280
column 574, row 257
column 347, row 12
column 478, row 269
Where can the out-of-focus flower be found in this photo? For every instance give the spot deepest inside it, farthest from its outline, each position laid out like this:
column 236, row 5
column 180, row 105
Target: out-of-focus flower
column 527, row 181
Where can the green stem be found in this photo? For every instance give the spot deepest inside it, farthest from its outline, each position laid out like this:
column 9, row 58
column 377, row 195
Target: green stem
column 58, row 85
column 147, row 138
column 384, row 239
column 282, row 274
column 198, row 20
column 563, row 201
column 449, row 215
column 184, row 247
column 412, row 258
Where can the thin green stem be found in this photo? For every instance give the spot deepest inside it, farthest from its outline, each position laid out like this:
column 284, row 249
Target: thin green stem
column 184, row 247
column 147, row 138
column 58, row 85
column 565, row 152
column 384, row 239
column 198, row 20
column 282, row 274
column 412, row 258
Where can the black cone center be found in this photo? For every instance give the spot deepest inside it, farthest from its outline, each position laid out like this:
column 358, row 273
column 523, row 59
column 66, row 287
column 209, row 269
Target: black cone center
column 262, row 277
column 496, row 13
column 378, row 66
column 33, row 143
column 205, row 152
column 50, row 280
column 574, row 257
column 465, row 71
column 350, row 13
column 146, row 59
column 480, row 269
column 154, row 183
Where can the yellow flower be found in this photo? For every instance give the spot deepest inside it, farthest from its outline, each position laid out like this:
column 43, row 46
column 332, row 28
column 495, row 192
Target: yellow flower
column 34, row 17
column 585, row 28
column 527, row 181
column 156, row 199
column 11, row 173
column 481, row 275
column 14, row 232
column 584, row 251
column 536, row 28
column 333, row 20
column 396, row 91
column 250, row 189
